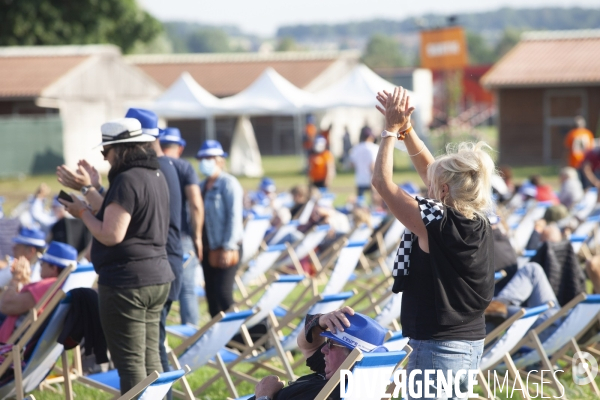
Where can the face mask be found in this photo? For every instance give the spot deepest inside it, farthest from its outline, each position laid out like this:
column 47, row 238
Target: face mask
column 207, row 166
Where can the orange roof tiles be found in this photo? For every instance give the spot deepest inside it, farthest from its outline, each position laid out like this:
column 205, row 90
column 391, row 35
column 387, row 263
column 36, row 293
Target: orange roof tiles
column 29, row 76
column 546, row 59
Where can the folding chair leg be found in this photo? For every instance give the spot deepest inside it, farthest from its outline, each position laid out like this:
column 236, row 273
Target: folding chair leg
column 226, row 377
column 282, row 355
column 187, row 390
column 484, row 384
column 16, row 353
column 516, row 376
column 586, row 367
column 67, row 376
column 544, row 359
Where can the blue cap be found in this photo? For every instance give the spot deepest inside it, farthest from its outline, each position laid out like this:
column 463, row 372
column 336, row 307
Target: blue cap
column 31, row 237
column 60, row 254
column 211, row 148
column 363, row 332
column 310, row 119
column 171, row 136
column 267, row 185
column 147, row 118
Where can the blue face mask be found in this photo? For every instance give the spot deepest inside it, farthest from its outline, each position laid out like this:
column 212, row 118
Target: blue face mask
column 207, row 166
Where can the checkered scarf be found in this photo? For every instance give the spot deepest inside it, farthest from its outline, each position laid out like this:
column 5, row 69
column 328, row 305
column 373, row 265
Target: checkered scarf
column 431, row 210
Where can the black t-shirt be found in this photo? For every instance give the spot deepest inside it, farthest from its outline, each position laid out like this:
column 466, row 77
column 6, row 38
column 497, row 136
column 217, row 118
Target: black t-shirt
column 141, row 258
column 174, row 248
column 187, row 176
column 419, row 317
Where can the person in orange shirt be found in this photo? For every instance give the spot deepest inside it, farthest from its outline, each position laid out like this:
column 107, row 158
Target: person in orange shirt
column 321, row 164
column 578, row 141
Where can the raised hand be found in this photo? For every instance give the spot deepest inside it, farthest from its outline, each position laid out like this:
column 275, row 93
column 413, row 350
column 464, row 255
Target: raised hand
column 72, row 179
column 95, row 177
column 21, row 270
column 395, row 108
column 336, row 320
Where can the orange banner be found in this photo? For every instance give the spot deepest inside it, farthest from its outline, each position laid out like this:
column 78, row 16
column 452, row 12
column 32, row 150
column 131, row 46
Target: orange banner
column 444, row 48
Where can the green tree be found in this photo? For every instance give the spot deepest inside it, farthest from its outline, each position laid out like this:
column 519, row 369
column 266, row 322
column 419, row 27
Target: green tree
column 208, row 40
column 509, row 39
column 383, row 51
column 287, row 44
column 480, row 52
column 56, row 22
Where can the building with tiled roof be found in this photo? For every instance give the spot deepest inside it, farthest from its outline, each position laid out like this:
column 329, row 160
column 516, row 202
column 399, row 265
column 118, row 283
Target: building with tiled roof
column 53, row 100
column 546, row 80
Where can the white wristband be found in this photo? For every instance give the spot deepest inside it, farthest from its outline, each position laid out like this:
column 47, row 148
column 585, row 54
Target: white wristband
column 385, row 134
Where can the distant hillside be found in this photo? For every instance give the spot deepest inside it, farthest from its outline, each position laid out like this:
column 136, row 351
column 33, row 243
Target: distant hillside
column 484, row 22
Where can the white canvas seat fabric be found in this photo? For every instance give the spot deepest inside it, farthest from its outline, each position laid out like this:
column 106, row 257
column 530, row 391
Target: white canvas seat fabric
column 284, row 231
column 159, row 388
column 523, row 231
column 397, row 342
column 273, row 297
column 577, row 319
column 254, row 232
column 344, row 267
column 263, row 262
column 213, row 340
column 391, row 310
column 511, row 337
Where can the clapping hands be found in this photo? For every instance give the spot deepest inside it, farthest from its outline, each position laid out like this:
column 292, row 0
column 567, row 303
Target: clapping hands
column 395, row 108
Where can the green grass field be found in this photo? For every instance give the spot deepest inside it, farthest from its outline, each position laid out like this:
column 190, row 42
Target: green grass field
column 287, row 172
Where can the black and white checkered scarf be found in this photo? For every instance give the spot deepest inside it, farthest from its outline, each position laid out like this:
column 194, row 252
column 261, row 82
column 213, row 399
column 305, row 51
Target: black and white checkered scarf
column 431, row 210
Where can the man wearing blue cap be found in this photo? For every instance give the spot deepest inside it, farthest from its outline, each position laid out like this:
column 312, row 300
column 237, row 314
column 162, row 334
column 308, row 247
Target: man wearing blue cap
column 192, row 219
column 27, row 245
column 17, row 299
column 327, row 342
column 149, row 122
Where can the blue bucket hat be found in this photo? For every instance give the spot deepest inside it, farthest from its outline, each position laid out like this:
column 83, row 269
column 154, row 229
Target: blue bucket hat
column 147, row 118
column 211, row 148
column 31, row 237
column 267, row 185
column 171, row 136
column 60, row 254
column 363, row 332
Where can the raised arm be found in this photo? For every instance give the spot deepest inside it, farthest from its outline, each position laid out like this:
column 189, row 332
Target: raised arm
column 404, row 207
column 317, row 324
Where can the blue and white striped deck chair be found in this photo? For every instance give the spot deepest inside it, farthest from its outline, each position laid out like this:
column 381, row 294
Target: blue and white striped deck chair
column 584, row 232
column 282, row 344
column 344, row 267
column 580, row 314
column 361, row 233
column 396, row 342
column 372, row 373
column 377, row 218
column 155, row 386
column 306, row 211
column 46, row 351
column 84, row 276
column 523, row 231
column 208, row 342
column 277, row 290
column 585, row 207
column 258, row 267
column 254, row 233
column 308, row 243
column 513, row 220
column 283, row 231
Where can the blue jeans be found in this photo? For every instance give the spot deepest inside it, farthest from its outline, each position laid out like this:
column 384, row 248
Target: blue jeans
column 529, row 287
column 450, row 355
column 188, row 303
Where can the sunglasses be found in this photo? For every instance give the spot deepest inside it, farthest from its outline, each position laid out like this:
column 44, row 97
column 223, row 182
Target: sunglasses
column 332, row 343
column 105, row 151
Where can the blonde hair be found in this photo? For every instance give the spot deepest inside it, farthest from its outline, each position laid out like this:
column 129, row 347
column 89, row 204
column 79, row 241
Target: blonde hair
column 467, row 169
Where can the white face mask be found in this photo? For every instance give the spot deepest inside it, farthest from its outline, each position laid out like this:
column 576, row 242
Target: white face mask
column 207, row 166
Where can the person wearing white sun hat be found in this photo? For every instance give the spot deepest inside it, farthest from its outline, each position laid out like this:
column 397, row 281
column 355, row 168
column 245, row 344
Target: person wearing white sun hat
column 129, row 227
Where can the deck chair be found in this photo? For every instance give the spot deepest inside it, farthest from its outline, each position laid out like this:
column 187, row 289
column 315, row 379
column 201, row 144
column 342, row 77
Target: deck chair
column 282, row 232
column 344, row 267
column 309, row 242
column 374, row 369
column 258, row 267
column 580, row 314
column 254, row 232
column 523, row 231
column 259, row 358
column 275, row 292
column 154, row 386
column 585, row 207
column 505, row 338
column 306, row 211
column 361, row 233
column 45, row 353
column 513, row 220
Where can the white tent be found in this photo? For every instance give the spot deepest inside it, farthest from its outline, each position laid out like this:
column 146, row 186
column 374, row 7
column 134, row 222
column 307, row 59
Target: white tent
column 185, row 98
column 269, row 94
column 245, row 157
column 357, row 89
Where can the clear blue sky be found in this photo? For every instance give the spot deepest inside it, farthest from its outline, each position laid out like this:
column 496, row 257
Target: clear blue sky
column 264, row 16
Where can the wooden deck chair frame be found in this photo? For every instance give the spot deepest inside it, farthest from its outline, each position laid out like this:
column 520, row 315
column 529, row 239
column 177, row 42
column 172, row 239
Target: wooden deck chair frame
column 32, row 314
column 548, row 361
column 15, row 356
column 219, row 364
